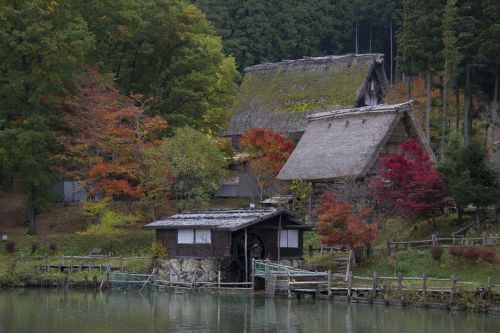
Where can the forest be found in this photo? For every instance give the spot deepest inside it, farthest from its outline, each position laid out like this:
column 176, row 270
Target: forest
column 132, row 96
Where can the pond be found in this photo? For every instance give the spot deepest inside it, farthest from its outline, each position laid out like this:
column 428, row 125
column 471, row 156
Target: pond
column 64, row 311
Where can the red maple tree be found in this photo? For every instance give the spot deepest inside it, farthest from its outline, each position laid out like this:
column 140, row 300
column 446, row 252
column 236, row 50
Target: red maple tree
column 106, row 134
column 409, row 183
column 268, row 151
column 340, row 224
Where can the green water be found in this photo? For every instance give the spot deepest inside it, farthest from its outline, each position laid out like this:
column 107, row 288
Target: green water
column 59, row 311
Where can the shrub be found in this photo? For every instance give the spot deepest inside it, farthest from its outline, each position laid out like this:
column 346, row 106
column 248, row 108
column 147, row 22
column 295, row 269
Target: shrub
column 456, row 251
column 436, row 252
column 34, row 247
column 488, row 255
column 53, row 248
column 472, row 254
column 10, row 246
column 158, row 250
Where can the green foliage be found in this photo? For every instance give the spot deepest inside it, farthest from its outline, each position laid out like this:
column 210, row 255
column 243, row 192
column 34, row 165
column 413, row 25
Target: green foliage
column 196, row 164
column 301, row 192
column 109, row 222
column 164, row 49
column 416, row 262
column 311, row 239
column 470, row 178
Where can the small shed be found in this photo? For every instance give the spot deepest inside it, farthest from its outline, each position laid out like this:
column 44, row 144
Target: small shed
column 262, row 233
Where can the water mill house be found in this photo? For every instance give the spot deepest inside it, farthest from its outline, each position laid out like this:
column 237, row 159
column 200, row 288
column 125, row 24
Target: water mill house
column 208, row 240
column 340, row 148
column 281, row 95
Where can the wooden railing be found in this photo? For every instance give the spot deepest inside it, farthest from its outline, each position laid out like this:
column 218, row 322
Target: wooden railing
column 485, row 240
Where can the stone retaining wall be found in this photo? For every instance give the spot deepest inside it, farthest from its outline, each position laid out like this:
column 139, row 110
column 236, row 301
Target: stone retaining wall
column 189, row 270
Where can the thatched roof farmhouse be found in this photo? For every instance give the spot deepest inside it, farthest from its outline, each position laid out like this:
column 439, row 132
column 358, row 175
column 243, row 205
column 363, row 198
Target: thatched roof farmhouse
column 342, row 145
column 281, row 95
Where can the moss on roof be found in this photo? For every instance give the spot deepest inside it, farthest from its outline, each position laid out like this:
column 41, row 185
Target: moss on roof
column 302, row 89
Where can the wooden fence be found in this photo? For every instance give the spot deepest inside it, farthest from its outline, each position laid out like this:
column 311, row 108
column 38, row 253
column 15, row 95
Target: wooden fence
column 485, row 240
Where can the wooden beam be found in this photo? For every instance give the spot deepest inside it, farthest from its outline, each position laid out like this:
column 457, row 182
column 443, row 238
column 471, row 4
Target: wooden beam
column 246, row 256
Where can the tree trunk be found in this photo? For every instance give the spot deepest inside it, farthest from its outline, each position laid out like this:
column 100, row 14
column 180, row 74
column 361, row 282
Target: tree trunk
column 31, row 214
column 408, row 88
column 442, row 141
column 467, row 104
column 357, row 39
column 392, row 56
column 457, row 109
column 428, row 107
column 460, row 214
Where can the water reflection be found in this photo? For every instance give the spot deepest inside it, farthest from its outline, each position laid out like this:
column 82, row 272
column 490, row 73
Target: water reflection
column 58, row 311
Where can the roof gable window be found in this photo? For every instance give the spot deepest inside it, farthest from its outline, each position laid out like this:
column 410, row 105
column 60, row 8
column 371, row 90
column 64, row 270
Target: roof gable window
column 194, row 236
column 289, row 238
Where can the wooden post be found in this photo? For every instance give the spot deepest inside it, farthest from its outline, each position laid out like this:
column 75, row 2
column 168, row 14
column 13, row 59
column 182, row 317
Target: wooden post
column 246, row 256
column 170, row 278
column 374, row 284
column 47, row 263
column 321, row 251
column 329, row 284
column 388, row 248
column 289, row 286
column 70, row 265
column 253, row 273
column 121, row 264
column 279, row 239
column 218, row 281
column 453, row 286
column 424, row 283
column 400, row 280
column 349, row 285
column 81, row 265
column 484, row 238
column 60, row 264
column 490, row 284
column 434, row 239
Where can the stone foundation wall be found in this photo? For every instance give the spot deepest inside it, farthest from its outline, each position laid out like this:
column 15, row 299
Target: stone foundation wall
column 189, row 270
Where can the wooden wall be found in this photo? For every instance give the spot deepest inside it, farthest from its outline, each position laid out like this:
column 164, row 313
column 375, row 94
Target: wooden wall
column 220, row 246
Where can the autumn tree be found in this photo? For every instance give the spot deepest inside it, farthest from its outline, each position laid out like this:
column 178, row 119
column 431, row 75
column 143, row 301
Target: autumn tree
column 106, row 135
column 268, row 151
column 340, row 224
column 409, row 184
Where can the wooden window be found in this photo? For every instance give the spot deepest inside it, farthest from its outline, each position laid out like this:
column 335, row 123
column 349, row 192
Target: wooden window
column 194, row 236
column 203, row 236
column 185, row 236
column 289, row 238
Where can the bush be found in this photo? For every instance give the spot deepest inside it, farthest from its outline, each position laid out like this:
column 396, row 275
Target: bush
column 436, row 252
column 10, row 247
column 53, row 248
column 472, row 254
column 158, row 250
column 34, row 247
column 456, row 251
column 488, row 255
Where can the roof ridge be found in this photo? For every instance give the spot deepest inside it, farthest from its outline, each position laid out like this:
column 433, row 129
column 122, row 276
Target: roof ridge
column 377, row 109
column 377, row 57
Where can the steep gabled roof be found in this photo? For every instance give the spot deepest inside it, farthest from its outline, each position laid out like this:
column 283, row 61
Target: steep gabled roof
column 281, row 95
column 347, row 143
column 220, row 219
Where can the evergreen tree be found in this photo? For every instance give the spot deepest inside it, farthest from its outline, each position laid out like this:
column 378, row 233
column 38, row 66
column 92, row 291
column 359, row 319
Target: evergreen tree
column 42, row 45
column 470, row 178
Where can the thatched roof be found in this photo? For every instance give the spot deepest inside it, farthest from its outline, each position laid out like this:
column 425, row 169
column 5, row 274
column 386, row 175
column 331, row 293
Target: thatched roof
column 347, row 143
column 281, row 95
column 220, row 219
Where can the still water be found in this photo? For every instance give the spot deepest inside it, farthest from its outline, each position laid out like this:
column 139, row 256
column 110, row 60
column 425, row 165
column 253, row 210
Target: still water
column 59, row 311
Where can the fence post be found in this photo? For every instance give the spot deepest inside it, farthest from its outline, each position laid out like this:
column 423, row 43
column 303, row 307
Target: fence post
column 289, row 286
column 218, row 280
column 434, row 239
column 70, row 265
column 453, row 286
column 349, row 285
column 400, row 280
column 388, row 247
column 329, row 284
column 424, row 283
column 374, row 284
column 121, row 264
column 485, row 241
column 61, row 263
column 321, row 251
column 47, row 263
